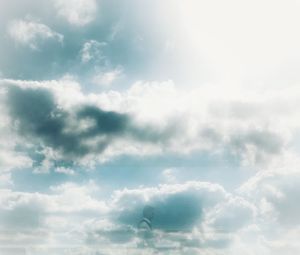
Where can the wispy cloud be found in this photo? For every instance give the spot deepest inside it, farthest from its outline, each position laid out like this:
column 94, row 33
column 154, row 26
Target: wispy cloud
column 77, row 12
column 31, row 33
column 107, row 78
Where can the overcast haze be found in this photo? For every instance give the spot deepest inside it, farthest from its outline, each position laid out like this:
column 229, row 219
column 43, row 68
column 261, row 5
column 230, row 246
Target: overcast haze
column 191, row 107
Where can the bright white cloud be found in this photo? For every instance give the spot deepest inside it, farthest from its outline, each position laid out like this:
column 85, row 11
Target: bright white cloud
column 32, row 33
column 74, row 198
column 12, row 160
column 77, row 12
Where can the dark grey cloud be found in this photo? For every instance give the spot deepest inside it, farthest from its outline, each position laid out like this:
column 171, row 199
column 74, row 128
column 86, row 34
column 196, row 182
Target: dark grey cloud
column 107, row 122
column 265, row 142
column 36, row 116
column 176, row 215
column 178, row 212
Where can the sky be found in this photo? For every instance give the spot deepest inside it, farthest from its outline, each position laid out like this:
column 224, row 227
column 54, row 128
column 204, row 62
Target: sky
column 190, row 107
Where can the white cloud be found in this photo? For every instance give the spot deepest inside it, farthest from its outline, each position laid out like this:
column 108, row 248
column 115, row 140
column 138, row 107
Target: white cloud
column 32, row 33
column 77, row 12
column 276, row 192
column 51, row 219
column 231, row 215
column 73, row 212
column 13, row 160
column 64, row 170
column 74, row 198
column 108, row 77
column 92, row 50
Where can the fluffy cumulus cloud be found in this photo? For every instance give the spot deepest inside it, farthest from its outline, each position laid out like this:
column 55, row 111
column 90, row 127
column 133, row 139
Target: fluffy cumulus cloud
column 177, row 207
column 182, row 212
column 182, row 220
column 31, row 33
column 35, row 222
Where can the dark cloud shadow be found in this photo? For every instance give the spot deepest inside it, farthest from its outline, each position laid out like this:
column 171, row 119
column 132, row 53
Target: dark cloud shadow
column 36, row 116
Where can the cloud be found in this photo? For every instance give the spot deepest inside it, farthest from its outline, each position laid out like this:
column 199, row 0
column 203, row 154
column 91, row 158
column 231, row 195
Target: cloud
column 107, row 78
column 95, row 61
column 202, row 126
column 11, row 158
column 231, row 215
column 169, row 175
column 196, row 216
column 106, row 232
column 31, row 33
column 39, row 117
column 192, row 215
column 62, row 199
column 77, row 12
column 92, row 50
column 256, row 146
column 22, row 214
column 275, row 191
column 64, row 170
column 72, row 132
column 48, row 220
column 75, row 198
column 178, row 207
column 149, row 118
